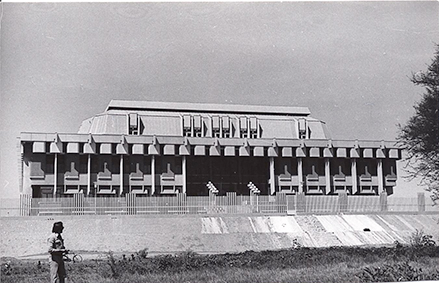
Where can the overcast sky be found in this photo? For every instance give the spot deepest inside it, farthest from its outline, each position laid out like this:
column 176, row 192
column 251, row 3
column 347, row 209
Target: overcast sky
column 349, row 62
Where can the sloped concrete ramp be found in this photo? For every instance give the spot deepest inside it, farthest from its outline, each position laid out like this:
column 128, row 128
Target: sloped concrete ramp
column 211, row 233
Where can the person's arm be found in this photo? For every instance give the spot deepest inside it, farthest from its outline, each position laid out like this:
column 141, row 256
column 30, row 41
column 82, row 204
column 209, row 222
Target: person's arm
column 51, row 244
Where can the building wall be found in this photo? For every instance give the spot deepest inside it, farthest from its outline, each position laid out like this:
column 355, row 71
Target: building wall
column 165, row 165
column 186, row 123
column 154, row 148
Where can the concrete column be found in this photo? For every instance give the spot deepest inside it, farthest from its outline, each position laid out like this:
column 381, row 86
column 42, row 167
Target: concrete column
column 354, row 176
column 380, row 176
column 272, row 177
column 239, row 169
column 192, row 126
column 300, row 173
column 183, row 169
column 328, row 175
column 55, row 174
column 221, row 126
column 210, row 129
column 25, row 172
column 88, row 174
column 20, row 171
column 20, row 152
column 152, row 174
column 121, row 174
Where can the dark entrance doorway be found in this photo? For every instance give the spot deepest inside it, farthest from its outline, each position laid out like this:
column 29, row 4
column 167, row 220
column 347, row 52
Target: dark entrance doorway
column 228, row 174
column 42, row 192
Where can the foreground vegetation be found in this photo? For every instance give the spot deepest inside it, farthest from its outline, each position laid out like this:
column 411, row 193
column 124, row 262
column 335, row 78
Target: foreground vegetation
column 334, row 264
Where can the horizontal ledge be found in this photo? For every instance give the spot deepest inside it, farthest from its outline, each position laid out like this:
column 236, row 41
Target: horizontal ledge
column 178, row 140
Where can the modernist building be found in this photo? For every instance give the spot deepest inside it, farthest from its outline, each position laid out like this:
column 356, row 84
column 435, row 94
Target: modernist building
column 157, row 148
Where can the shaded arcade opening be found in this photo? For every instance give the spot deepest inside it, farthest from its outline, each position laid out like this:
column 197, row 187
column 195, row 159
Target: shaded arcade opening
column 64, row 175
column 228, row 174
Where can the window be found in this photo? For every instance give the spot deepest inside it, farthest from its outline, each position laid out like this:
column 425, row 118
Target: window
column 197, row 122
column 225, row 122
column 215, row 123
column 133, row 124
column 198, row 133
column 302, row 128
column 187, row 126
column 187, row 132
column 254, row 127
column 193, row 126
column 243, row 127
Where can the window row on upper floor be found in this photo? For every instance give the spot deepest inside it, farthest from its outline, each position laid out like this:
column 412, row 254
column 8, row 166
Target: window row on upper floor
column 221, row 126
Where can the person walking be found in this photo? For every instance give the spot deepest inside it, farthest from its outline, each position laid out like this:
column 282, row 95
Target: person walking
column 56, row 251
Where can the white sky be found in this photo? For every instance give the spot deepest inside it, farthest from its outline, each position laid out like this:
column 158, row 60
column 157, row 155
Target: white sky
column 349, row 62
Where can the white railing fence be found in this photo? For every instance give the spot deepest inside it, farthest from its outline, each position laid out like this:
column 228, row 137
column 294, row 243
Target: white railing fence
column 132, row 204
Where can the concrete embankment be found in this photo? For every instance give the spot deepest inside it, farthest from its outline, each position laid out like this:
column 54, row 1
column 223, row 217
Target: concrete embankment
column 26, row 236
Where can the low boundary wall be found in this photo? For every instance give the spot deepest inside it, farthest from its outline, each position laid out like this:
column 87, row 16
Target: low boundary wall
column 132, row 204
column 26, row 236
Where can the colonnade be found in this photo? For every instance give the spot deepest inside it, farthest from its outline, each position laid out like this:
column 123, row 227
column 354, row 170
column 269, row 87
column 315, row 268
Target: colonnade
column 272, row 176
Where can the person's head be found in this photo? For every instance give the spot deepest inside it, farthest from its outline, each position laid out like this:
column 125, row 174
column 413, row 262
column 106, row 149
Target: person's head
column 57, row 227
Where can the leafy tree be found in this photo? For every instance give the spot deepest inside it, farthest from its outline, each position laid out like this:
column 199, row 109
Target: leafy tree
column 420, row 135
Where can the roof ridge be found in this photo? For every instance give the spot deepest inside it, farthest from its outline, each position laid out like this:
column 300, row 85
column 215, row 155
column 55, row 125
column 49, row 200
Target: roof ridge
column 207, row 107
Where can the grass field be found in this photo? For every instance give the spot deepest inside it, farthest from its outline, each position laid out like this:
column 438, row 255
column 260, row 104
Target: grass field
column 335, row 264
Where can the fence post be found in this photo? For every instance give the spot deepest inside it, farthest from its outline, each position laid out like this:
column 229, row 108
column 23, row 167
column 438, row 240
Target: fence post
column 181, row 202
column 281, row 201
column 231, row 202
column 291, row 204
column 383, row 201
column 78, row 203
column 95, row 207
column 254, row 199
column 212, row 200
column 21, row 205
column 131, row 203
column 300, row 202
column 421, row 202
column 343, row 201
column 25, row 204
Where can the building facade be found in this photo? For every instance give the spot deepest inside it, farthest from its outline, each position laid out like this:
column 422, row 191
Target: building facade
column 157, row 148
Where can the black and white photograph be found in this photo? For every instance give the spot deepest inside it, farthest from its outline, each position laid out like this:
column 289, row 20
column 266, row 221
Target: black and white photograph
column 246, row 141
